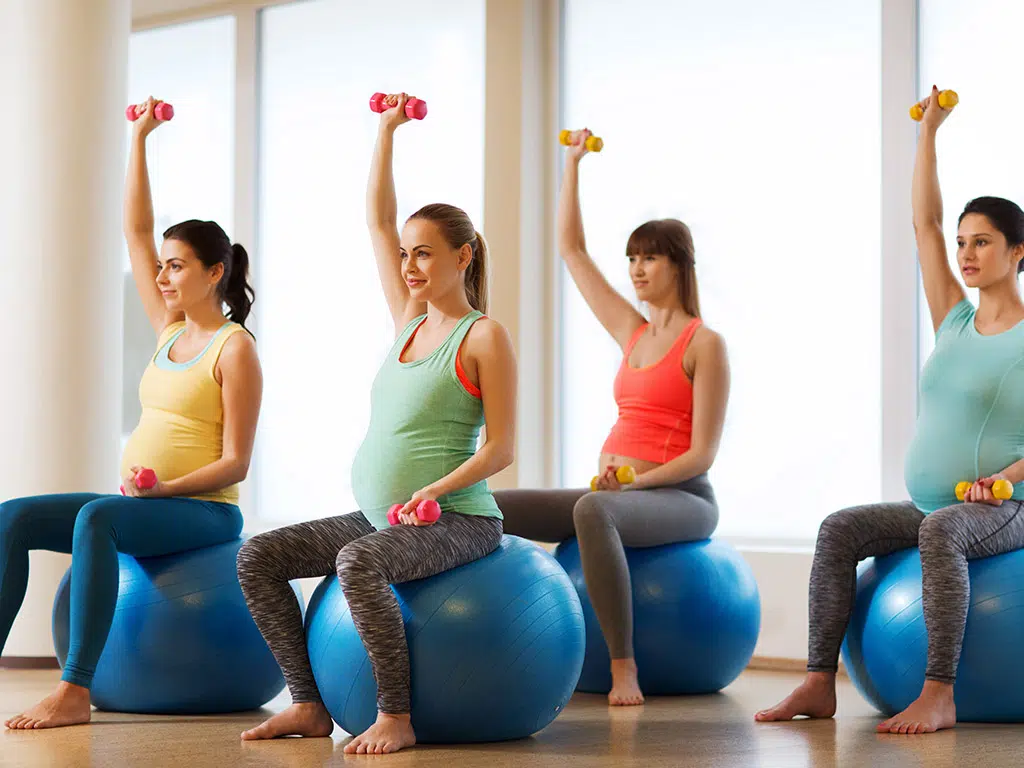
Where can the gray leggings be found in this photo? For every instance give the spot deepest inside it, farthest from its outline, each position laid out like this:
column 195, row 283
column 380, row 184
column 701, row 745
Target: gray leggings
column 604, row 522
column 947, row 539
column 367, row 561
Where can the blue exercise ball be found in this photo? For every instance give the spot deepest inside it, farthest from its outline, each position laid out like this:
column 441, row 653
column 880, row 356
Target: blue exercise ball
column 696, row 617
column 495, row 648
column 886, row 644
column 182, row 641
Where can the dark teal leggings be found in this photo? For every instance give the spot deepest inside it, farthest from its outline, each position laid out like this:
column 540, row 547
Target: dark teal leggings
column 93, row 529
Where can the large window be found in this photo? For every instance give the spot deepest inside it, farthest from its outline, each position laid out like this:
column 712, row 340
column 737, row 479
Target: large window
column 764, row 137
column 979, row 147
column 191, row 158
column 324, row 327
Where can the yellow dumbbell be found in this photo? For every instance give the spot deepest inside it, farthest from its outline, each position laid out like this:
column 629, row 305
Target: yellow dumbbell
column 593, row 143
column 625, row 475
column 1001, row 489
column 947, row 100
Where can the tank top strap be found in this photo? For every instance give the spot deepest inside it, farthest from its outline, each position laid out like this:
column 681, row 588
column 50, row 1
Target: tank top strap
column 681, row 344
column 633, row 340
column 453, row 343
column 212, row 354
column 168, row 335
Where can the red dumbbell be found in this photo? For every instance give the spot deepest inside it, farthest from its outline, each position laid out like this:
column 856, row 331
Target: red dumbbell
column 427, row 510
column 144, row 480
column 415, row 109
column 162, row 111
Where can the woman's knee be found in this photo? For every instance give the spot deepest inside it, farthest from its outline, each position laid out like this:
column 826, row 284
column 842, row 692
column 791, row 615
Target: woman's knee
column 837, row 528
column 938, row 531
column 354, row 561
column 96, row 518
column 257, row 555
column 15, row 516
column 591, row 511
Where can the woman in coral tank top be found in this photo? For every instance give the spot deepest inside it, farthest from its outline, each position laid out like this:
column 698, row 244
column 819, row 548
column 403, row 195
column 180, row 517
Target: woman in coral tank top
column 671, row 391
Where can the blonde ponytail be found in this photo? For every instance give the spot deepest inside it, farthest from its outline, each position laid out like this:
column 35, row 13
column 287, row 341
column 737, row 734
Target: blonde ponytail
column 477, row 287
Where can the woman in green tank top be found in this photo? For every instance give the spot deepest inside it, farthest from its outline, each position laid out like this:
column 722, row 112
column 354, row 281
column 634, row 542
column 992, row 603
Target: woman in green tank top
column 450, row 371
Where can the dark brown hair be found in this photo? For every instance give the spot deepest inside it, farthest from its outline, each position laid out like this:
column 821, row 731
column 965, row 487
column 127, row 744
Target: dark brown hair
column 212, row 246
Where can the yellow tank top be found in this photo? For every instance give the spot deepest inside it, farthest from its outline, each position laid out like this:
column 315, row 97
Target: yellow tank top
column 182, row 424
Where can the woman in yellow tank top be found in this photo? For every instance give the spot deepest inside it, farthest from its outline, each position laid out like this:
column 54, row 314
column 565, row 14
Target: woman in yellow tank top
column 200, row 401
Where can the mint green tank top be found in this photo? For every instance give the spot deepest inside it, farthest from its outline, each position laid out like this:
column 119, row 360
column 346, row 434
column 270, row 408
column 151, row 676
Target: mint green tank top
column 970, row 420
column 423, row 425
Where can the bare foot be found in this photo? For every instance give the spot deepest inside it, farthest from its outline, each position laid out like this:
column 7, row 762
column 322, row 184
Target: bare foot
column 68, row 705
column 625, row 690
column 933, row 711
column 814, row 697
column 389, row 734
column 302, row 719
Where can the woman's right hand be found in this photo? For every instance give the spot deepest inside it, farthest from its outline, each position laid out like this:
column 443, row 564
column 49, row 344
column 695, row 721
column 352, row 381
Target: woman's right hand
column 395, row 115
column 574, row 152
column 146, row 122
column 934, row 115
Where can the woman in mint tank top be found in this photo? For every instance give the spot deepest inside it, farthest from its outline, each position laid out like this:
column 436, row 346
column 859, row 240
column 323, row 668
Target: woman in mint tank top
column 450, row 372
column 970, row 429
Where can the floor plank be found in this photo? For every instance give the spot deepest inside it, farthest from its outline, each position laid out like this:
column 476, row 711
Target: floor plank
column 713, row 731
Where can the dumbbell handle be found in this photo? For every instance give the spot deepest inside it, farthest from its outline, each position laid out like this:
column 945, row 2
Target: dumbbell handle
column 593, row 143
column 624, row 474
column 162, row 111
column 1001, row 489
column 947, row 100
column 427, row 510
column 415, row 109
column 144, row 480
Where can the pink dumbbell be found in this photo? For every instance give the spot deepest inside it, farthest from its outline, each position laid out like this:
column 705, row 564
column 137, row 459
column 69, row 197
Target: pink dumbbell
column 144, row 480
column 428, row 511
column 415, row 109
column 162, row 111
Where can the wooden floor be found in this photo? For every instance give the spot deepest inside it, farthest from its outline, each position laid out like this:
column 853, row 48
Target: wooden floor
column 697, row 731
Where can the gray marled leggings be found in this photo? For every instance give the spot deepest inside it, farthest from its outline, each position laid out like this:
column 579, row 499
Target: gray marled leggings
column 604, row 522
column 367, row 562
column 947, row 539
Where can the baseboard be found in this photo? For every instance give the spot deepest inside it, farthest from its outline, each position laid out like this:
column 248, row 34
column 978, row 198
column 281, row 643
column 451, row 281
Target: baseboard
column 776, row 664
column 29, row 662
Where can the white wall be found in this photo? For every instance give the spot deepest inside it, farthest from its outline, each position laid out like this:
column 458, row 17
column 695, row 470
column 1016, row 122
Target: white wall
column 60, row 290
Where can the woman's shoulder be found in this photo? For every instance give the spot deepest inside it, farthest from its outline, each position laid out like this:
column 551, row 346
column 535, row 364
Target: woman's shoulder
column 486, row 333
column 707, row 341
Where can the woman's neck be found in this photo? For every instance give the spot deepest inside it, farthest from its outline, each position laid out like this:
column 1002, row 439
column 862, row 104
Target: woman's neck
column 204, row 318
column 667, row 317
column 452, row 306
column 1000, row 302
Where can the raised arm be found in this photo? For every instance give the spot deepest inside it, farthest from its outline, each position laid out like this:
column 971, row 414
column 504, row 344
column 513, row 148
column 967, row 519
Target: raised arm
column 941, row 288
column 139, row 224
column 612, row 310
column 382, row 216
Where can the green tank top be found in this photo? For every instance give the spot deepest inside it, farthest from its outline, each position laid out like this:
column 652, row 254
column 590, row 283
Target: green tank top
column 423, row 425
column 970, row 420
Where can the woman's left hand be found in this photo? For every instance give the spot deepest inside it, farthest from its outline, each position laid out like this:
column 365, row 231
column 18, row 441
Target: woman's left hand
column 607, row 481
column 130, row 489
column 407, row 514
column 980, row 491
